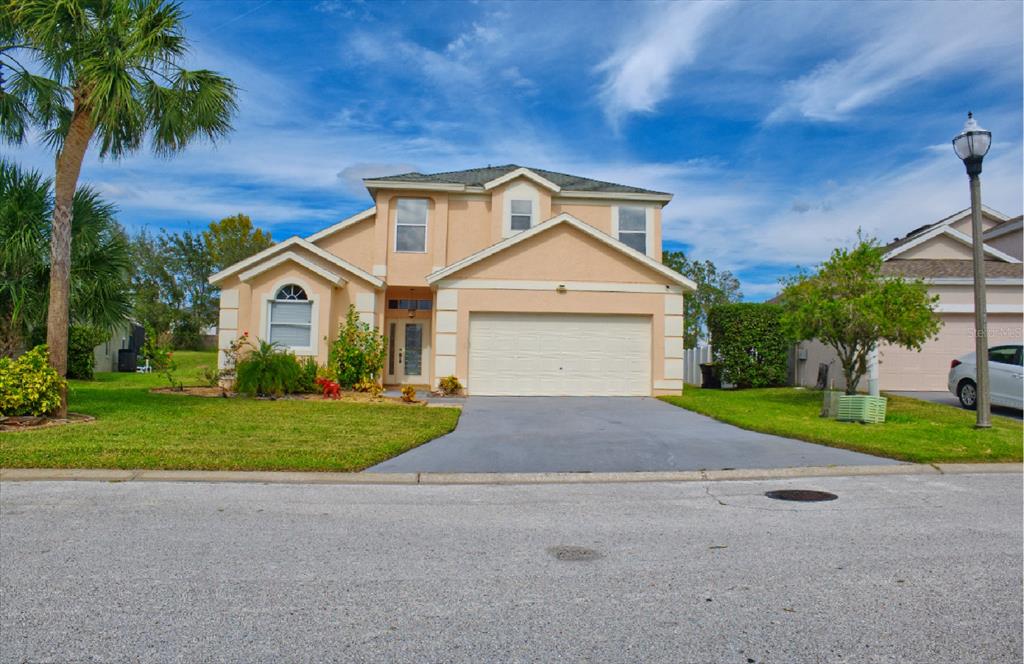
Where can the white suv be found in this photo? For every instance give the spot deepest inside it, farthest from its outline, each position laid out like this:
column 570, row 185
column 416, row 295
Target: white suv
column 1006, row 377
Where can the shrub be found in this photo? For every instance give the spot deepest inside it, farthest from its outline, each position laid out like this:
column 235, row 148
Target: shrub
column 159, row 355
column 29, row 385
column 371, row 387
column 308, row 372
column 82, row 342
column 358, row 352
column 409, row 394
column 209, row 376
column 449, row 385
column 749, row 343
column 267, row 371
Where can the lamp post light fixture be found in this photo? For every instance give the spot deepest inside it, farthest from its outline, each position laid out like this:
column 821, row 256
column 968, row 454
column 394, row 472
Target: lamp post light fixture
column 971, row 145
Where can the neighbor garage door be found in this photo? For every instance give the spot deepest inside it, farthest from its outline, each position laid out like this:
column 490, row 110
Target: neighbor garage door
column 903, row 369
column 559, row 354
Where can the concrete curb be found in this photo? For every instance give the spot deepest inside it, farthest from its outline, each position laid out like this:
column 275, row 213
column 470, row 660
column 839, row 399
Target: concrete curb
column 275, row 477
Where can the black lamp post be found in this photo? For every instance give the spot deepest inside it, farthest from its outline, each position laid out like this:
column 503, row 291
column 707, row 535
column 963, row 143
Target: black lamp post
column 971, row 145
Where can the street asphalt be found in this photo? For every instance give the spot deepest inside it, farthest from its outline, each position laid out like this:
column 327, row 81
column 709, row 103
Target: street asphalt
column 604, row 434
column 916, row 568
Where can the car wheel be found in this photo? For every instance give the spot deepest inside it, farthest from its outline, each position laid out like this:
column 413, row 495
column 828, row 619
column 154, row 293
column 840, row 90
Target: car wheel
column 967, row 391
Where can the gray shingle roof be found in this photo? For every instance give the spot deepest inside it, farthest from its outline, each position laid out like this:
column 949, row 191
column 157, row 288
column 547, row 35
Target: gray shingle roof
column 480, row 176
column 937, row 268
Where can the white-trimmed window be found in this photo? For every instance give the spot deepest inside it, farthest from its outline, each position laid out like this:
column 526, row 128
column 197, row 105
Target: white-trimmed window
column 290, row 313
column 411, row 225
column 633, row 227
column 520, row 214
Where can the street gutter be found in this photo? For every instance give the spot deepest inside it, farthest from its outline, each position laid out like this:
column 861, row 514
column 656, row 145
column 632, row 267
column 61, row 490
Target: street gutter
column 277, row 477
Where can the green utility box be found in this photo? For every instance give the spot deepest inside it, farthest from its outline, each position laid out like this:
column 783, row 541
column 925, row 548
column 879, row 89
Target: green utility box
column 861, row 408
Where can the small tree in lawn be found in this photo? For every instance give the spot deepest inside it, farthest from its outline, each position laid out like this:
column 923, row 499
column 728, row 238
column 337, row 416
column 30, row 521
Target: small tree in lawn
column 851, row 306
column 358, row 352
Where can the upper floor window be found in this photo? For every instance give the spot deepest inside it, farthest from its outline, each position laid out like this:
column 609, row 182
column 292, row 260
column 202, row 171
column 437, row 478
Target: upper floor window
column 291, row 318
column 411, row 225
column 521, row 215
column 633, row 227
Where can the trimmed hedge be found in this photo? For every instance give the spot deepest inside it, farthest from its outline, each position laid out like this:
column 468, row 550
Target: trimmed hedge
column 749, row 343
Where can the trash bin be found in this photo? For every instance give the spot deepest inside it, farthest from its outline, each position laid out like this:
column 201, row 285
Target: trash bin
column 127, row 360
column 711, row 376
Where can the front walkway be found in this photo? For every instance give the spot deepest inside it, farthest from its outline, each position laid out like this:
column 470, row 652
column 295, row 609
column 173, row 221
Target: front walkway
column 604, row 434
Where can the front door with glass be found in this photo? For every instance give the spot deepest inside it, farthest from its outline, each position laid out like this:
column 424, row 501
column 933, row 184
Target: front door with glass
column 408, row 351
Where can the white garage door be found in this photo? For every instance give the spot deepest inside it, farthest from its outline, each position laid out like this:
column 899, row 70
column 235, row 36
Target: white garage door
column 903, row 369
column 559, row 354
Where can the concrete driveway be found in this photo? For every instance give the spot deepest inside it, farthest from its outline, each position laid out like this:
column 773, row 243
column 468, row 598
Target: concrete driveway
column 604, row 434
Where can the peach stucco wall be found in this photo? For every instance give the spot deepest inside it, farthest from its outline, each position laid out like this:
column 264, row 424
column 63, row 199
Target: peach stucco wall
column 354, row 244
column 941, row 246
column 562, row 253
column 964, row 225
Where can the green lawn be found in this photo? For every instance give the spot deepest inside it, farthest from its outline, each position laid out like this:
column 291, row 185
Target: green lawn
column 137, row 429
column 914, row 430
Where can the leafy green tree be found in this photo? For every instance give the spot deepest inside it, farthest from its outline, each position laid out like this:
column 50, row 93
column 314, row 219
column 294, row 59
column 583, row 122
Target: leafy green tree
column 233, row 239
column 156, row 297
column 851, row 306
column 172, row 292
column 103, row 70
column 100, row 260
column 190, row 263
column 713, row 288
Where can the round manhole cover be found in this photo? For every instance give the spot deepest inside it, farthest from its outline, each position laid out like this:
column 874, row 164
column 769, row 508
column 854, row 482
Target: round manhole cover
column 573, row 553
column 801, row 495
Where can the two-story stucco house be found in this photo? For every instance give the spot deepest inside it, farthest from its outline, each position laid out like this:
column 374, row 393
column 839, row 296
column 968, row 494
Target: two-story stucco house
column 519, row 281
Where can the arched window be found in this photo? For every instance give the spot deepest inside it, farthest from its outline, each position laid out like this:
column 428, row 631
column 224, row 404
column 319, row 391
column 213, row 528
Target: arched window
column 291, row 292
column 291, row 318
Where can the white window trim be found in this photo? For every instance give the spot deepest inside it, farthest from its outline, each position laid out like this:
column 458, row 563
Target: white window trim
column 314, row 316
column 519, row 191
column 648, row 226
column 532, row 215
column 426, row 226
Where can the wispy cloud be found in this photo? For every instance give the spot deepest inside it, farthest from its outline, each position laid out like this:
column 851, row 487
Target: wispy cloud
column 912, row 47
column 639, row 73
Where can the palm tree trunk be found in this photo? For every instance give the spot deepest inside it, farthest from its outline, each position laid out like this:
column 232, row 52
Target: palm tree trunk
column 69, row 165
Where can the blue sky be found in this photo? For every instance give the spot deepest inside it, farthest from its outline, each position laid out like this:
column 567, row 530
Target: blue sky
column 780, row 127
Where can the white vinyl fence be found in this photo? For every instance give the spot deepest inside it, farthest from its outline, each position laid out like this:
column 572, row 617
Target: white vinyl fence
column 692, row 359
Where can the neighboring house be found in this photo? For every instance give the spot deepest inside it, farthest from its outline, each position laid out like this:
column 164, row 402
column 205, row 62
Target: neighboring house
column 128, row 336
column 940, row 254
column 1007, row 237
column 518, row 281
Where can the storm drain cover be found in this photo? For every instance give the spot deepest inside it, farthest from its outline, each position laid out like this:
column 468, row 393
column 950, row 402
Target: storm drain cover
column 573, row 553
column 801, row 495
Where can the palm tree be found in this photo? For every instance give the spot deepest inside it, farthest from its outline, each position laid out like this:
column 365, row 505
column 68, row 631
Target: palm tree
column 100, row 259
column 106, row 70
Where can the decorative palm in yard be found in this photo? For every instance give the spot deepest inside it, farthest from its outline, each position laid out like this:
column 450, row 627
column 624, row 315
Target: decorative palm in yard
column 100, row 262
column 107, row 71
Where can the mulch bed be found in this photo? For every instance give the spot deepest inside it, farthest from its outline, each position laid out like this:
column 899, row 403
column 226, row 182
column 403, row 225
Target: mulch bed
column 25, row 422
column 216, row 392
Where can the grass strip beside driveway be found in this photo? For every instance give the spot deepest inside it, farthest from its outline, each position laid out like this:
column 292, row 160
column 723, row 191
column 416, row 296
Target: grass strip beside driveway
column 137, row 429
column 914, row 430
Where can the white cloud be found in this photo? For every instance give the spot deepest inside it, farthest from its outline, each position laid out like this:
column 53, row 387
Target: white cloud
column 639, row 73
column 914, row 43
